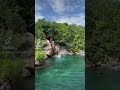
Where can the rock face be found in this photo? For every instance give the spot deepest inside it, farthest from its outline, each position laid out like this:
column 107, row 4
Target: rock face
column 29, row 45
column 28, row 66
column 5, row 86
column 27, row 54
column 51, row 49
column 57, row 50
column 26, row 72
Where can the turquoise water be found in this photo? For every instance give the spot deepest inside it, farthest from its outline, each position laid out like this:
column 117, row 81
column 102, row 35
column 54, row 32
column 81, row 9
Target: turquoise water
column 65, row 73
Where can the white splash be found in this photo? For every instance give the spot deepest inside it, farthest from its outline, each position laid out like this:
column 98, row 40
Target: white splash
column 82, row 53
column 59, row 55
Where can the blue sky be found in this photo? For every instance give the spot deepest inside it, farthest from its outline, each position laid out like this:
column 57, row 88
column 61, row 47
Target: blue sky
column 69, row 11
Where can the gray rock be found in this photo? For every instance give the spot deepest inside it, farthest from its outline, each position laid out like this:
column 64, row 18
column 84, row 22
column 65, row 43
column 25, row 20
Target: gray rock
column 37, row 63
column 29, row 45
column 116, row 67
column 5, row 86
column 26, row 73
column 30, row 37
column 51, row 49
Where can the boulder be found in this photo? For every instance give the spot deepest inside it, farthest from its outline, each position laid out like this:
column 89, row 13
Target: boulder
column 51, row 49
column 26, row 73
column 28, row 64
column 30, row 37
column 37, row 63
column 45, row 57
column 27, row 47
column 5, row 86
column 57, row 50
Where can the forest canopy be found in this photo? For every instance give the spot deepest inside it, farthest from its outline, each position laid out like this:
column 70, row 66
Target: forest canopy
column 72, row 36
column 102, row 25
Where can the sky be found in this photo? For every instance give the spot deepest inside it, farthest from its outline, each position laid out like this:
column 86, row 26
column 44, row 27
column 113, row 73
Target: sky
column 61, row 11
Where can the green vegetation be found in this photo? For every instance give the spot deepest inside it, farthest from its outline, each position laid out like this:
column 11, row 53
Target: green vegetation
column 72, row 36
column 15, row 20
column 10, row 71
column 102, row 35
column 39, row 55
column 13, row 15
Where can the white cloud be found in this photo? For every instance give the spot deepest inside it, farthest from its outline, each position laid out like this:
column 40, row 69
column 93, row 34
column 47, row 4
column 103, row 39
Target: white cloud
column 61, row 6
column 57, row 5
column 66, row 11
column 38, row 16
column 79, row 20
column 37, row 7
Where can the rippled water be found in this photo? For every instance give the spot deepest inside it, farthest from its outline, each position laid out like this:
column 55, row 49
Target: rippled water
column 65, row 73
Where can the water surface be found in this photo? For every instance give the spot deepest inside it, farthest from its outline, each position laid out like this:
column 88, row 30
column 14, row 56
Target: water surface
column 107, row 80
column 65, row 73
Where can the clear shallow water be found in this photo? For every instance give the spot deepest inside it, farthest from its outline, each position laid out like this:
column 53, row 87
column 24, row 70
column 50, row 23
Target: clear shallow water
column 65, row 73
column 108, row 80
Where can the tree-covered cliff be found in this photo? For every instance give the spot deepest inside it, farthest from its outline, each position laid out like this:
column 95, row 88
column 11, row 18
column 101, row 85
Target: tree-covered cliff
column 72, row 36
column 102, row 30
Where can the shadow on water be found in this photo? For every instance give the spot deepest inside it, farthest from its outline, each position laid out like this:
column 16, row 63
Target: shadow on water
column 102, row 79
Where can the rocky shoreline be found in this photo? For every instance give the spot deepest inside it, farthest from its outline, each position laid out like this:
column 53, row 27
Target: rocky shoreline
column 26, row 57
column 112, row 66
column 51, row 50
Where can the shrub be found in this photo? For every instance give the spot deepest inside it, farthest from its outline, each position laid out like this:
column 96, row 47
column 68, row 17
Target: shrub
column 10, row 71
column 39, row 55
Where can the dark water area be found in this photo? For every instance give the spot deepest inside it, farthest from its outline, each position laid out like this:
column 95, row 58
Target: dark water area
column 65, row 73
column 104, row 79
column 26, row 83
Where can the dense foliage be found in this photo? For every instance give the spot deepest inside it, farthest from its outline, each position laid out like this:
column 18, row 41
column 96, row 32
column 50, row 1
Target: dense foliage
column 17, row 15
column 102, row 25
column 72, row 36
column 10, row 71
column 16, row 18
column 39, row 55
